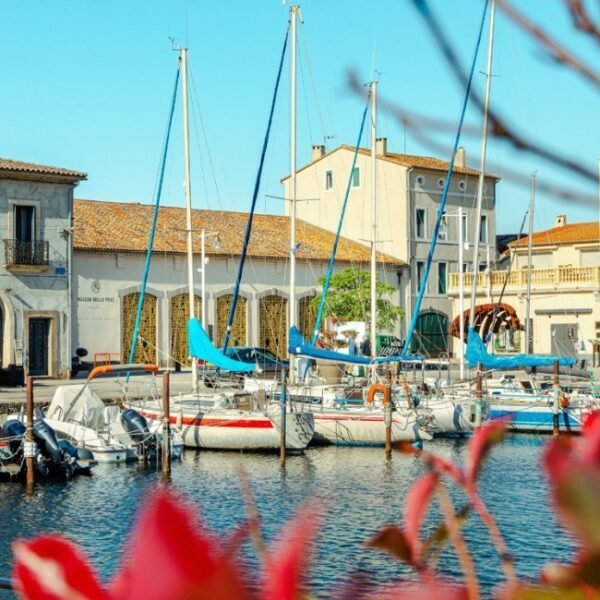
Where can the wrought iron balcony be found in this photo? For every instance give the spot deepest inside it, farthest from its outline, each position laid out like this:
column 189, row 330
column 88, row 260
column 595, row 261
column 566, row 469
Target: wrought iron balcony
column 26, row 254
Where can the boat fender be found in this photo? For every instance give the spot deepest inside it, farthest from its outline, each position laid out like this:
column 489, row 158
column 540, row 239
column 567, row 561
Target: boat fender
column 379, row 387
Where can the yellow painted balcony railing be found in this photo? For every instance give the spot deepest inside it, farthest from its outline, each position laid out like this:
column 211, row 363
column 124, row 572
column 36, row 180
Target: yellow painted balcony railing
column 573, row 277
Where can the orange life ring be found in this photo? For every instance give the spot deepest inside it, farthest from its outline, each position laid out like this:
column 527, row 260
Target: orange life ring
column 379, row 387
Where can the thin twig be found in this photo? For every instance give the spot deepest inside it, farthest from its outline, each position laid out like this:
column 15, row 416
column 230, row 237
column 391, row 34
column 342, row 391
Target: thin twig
column 253, row 518
column 560, row 54
column 488, row 520
column 499, row 127
column 581, row 19
column 460, row 546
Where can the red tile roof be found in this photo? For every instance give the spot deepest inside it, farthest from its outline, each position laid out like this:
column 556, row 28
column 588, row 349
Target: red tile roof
column 406, row 160
column 9, row 168
column 124, row 227
column 572, row 233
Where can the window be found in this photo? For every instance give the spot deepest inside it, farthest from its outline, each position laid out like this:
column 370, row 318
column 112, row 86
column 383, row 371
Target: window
column 420, row 223
column 483, row 233
column 328, row 180
column 465, row 267
column 24, row 223
column 443, row 230
column 420, row 271
column 356, row 177
column 442, row 277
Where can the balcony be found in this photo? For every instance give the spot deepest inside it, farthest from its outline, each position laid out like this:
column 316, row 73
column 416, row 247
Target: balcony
column 565, row 278
column 26, row 256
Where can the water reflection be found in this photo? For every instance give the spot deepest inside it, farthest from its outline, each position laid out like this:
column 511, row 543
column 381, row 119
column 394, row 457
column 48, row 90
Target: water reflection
column 357, row 488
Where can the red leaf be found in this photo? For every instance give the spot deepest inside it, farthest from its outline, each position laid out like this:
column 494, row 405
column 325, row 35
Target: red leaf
column 172, row 558
column 480, row 445
column 392, row 539
column 415, row 509
column 52, row 568
column 426, row 590
column 287, row 560
column 591, row 438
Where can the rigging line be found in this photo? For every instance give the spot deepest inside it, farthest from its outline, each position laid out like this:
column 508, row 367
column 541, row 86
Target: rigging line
column 198, row 113
column 138, row 316
column 254, row 198
column 434, row 237
column 319, row 317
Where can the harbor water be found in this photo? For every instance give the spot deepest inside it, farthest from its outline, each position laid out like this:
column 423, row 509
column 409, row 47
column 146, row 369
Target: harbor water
column 356, row 488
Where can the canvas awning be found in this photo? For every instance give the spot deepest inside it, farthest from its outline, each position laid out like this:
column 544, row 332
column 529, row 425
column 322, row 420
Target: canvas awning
column 488, row 317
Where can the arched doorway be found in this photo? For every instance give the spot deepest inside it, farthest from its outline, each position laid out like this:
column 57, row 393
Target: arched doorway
column 306, row 316
column 431, row 334
column 180, row 314
column 145, row 350
column 239, row 328
column 273, row 324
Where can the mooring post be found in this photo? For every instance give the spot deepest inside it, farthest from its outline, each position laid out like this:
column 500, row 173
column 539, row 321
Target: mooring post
column 478, row 396
column 166, row 430
column 556, row 395
column 29, row 448
column 283, row 416
column 387, row 419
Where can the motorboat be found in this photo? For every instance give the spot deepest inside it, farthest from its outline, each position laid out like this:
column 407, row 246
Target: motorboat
column 78, row 415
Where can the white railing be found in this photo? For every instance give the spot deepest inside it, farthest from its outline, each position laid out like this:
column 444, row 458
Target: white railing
column 571, row 277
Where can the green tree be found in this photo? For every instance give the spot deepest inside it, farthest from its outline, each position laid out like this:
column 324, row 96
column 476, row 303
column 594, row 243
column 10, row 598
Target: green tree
column 349, row 298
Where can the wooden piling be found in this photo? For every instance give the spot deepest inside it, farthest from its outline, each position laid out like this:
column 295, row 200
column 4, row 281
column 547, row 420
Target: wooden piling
column 166, row 429
column 556, row 394
column 387, row 419
column 29, row 443
column 282, row 444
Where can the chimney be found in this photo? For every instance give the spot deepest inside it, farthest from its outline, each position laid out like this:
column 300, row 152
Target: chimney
column 560, row 221
column 460, row 158
column 318, row 152
column 380, row 146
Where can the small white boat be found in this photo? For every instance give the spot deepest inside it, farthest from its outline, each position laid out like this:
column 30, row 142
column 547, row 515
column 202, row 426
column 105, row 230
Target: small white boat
column 232, row 420
column 77, row 414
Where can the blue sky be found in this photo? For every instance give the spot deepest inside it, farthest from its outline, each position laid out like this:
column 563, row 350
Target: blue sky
column 86, row 85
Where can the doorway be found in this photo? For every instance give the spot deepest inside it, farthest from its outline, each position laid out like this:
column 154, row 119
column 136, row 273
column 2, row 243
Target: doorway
column 39, row 337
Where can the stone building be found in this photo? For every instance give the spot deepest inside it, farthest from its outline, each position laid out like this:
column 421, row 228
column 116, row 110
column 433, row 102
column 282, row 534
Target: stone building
column 36, row 204
column 110, row 241
column 409, row 190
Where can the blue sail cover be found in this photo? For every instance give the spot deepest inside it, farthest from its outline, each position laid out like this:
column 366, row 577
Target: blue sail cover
column 477, row 354
column 201, row 347
column 299, row 346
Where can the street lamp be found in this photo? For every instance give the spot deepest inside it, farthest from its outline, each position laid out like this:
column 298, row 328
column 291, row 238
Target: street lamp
column 204, row 260
column 461, row 292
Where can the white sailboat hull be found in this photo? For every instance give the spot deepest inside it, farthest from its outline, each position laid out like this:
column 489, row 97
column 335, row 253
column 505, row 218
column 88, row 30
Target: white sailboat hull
column 234, row 429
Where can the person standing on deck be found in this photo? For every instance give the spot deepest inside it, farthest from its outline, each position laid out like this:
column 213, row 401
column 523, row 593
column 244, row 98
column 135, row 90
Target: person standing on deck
column 365, row 346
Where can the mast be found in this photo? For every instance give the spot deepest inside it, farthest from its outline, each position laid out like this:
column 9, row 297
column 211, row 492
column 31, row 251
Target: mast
column 529, row 256
column 188, row 201
column 294, row 9
column 486, row 105
column 373, row 217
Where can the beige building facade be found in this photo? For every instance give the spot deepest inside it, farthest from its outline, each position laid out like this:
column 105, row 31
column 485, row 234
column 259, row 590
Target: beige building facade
column 409, row 191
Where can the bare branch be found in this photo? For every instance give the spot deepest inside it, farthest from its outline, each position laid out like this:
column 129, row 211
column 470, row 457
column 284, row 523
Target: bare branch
column 559, row 52
column 581, row 19
column 498, row 125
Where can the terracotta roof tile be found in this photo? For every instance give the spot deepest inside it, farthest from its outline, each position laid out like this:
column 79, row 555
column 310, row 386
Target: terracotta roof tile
column 124, row 227
column 572, row 233
column 9, row 167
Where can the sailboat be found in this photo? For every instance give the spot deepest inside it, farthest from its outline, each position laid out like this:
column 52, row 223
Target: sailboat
column 337, row 421
column 228, row 419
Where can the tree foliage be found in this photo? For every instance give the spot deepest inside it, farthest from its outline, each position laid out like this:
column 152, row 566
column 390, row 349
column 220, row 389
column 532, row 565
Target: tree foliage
column 349, row 299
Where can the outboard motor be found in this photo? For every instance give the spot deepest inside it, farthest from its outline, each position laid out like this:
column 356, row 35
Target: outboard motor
column 52, row 457
column 137, row 427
